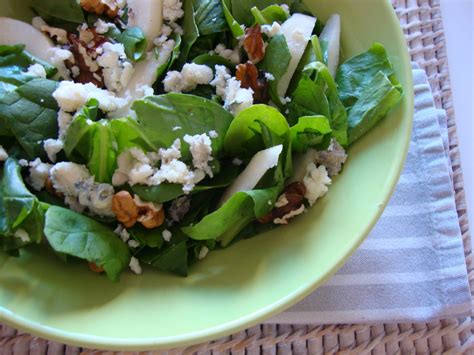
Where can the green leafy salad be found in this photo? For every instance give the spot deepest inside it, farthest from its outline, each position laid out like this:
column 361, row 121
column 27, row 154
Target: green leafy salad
column 155, row 131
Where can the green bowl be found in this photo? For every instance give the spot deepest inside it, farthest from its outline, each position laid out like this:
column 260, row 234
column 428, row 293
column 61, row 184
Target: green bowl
column 247, row 283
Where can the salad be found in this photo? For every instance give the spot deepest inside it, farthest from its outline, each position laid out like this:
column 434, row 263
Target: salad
column 152, row 132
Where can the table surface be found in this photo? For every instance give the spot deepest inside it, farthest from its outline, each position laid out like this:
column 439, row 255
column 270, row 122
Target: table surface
column 459, row 28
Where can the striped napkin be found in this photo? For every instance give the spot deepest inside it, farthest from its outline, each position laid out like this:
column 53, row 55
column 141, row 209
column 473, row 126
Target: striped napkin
column 411, row 268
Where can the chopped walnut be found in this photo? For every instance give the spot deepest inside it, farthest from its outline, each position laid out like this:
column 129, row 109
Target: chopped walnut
column 151, row 219
column 253, row 44
column 84, row 59
column 125, row 209
column 130, row 210
column 96, row 268
column 250, row 78
column 290, row 200
column 100, row 7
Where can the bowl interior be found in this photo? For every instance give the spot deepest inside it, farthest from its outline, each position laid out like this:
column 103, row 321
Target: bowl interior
column 245, row 283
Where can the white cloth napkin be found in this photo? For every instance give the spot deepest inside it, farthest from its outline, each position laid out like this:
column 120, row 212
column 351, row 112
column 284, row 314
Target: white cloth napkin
column 412, row 267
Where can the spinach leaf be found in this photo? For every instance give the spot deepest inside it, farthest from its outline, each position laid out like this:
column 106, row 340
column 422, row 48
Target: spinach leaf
column 308, row 97
column 209, row 16
column 310, row 131
column 234, row 26
column 30, row 112
column 103, row 157
column 67, row 10
column 73, row 234
column 98, row 143
column 338, row 118
column 226, row 222
column 240, row 9
column 172, row 258
column 270, row 14
column 152, row 238
column 22, row 209
column 17, row 56
column 244, row 135
column 276, row 61
column 377, row 99
column 190, row 32
column 158, row 115
column 357, row 73
column 211, row 60
column 134, row 42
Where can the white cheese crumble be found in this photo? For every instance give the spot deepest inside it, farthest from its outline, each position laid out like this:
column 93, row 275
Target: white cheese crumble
column 136, row 167
column 52, row 147
column 116, row 69
column 228, row 88
column 122, row 233
column 269, row 76
column 64, row 121
column 39, row 173
column 285, row 8
column 188, row 79
column 57, row 56
column 59, row 33
column 166, row 235
column 3, row 154
column 271, row 30
column 172, row 10
column 132, row 243
column 203, row 252
column 135, row 265
column 80, row 190
column 333, row 158
column 23, row 163
column 282, row 201
column 316, row 182
column 22, row 235
column 237, row 162
column 72, row 96
column 179, row 208
column 200, row 146
column 213, row 134
column 232, row 55
column 290, row 215
column 177, row 128
column 102, row 27
column 237, row 98
column 36, row 70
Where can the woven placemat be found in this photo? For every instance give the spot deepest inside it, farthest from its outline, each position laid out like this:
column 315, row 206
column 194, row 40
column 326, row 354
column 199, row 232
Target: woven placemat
column 422, row 23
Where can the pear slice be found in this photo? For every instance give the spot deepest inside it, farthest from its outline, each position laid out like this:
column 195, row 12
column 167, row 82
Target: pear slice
column 330, row 40
column 297, row 31
column 18, row 32
column 148, row 16
column 37, row 43
column 261, row 162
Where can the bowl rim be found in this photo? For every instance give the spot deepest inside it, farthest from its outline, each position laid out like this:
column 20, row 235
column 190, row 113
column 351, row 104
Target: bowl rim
column 188, row 339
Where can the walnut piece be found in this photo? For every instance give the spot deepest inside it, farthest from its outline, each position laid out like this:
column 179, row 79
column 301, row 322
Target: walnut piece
column 151, row 219
column 129, row 212
column 250, row 78
column 99, row 7
column 125, row 209
column 96, row 268
column 293, row 195
column 253, row 44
